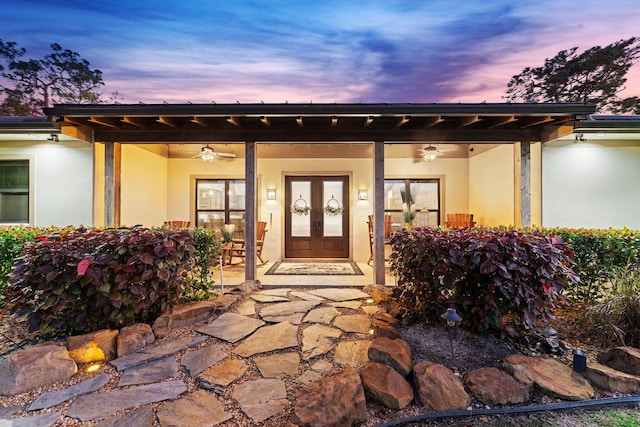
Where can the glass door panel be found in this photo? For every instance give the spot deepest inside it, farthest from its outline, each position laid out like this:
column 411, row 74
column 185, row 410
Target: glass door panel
column 333, row 208
column 300, row 209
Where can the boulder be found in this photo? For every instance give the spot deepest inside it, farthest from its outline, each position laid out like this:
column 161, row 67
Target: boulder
column 551, row 376
column 37, row 366
column 386, row 385
column 395, row 353
column 623, row 359
column 183, row 315
column 379, row 293
column 611, row 379
column 438, row 388
column 333, row 401
column 93, row 347
column 493, row 387
column 133, row 338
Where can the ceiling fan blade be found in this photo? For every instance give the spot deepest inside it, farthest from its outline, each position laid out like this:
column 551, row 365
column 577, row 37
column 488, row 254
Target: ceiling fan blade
column 226, row 155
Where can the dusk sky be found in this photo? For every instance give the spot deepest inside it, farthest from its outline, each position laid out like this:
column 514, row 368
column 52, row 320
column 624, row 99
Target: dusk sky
column 316, row 51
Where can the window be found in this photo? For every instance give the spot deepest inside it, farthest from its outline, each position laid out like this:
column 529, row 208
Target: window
column 14, row 191
column 419, row 195
column 220, row 202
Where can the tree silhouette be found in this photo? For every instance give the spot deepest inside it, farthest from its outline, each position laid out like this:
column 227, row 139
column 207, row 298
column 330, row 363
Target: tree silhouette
column 29, row 85
column 594, row 76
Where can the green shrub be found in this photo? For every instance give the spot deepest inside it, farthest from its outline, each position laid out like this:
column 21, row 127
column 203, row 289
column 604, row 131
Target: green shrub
column 486, row 273
column 84, row 280
column 207, row 244
column 615, row 320
column 598, row 254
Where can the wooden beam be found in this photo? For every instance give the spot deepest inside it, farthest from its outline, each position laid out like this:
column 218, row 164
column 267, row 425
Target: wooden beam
column 112, row 183
column 334, row 121
column 251, row 211
column 368, row 121
column 525, row 183
column 467, row 121
column 265, row 121
column 167, row 121
column 533, row 121
column 378, row 213
column 403, row 121
column 135, row 121
column 75, row 121
column 199, row 121
column 432, row 121
column 299, row 122
column 106, row 121
column 233, row 121
column 501, row 121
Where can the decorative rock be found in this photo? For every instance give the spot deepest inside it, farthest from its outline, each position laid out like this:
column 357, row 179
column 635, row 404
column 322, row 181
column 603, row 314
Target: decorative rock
column 222, row 375
column 198, row 409
column 99, row 405
column 278, row 365
column 53, row 398
column 370, row 309
column 44, row 420
column 261, row 399
column 353, row 305
column 224, row 302
column 184, row 315
column 321, row 315
column 386, row 385
column 133, row 338
column 438, row 388
column 151, row 372
column 395, row 353
column 623, row 359
column 7, row 411
column 231, row 327
column 339, row 294
column 35, row 367
column 247, row 308
column 143, row 416
column 386, row 318
column 331, row 402
column 378, row 293
column 352, row 353
column 269, row 338
column 94, row 347
column 197, row 361
column 495, row 387
column 358, row 323
column 318, row 339
column 383, row 329
column 286, row 310
column 315, row 372
column 612, row 380
column 550, row 375
column 157, row 350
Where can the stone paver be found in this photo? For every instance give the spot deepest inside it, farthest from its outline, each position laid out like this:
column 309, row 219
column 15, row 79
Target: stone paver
column 321, row 315
column 356, row 323
column 247, row 308
column 199, row 360
column 261, row 399
column 44, row 420
column 353, row 305
column 231, row 327
column 100, row 405
column 52, row 398
column 151, row 372
column 142, row 416
column 352, row 353
column 339, row 294
column 318, row 339
column 198, row 409
column 157, row 350
column 278, row 365
column 269, row 298
column 285, row 311
column 220, row 376
column 278, row 292
column 305, row 296
column 269, row 338
column 315, row 372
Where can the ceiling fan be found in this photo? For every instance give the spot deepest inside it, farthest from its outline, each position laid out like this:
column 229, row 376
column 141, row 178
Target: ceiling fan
column 208, row 154
column 430, row 153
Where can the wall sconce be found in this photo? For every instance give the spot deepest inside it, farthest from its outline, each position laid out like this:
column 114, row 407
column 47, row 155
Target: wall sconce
column 271, row 193
column 362, row 194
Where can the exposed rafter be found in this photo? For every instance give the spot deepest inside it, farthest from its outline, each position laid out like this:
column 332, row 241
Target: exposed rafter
column 233, row 121
column 468, row 121
column 135, row 121
column 199, row 121
column 534, row 121
column 168, row 121
column 106, row 121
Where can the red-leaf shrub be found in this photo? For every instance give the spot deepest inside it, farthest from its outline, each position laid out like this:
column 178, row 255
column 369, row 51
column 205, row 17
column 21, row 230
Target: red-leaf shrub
column 486, row 273
column 90, row 279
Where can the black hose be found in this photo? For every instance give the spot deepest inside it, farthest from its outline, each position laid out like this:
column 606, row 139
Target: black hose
column 434, row 416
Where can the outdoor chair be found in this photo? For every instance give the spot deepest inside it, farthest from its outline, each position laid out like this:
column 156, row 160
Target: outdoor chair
column 238, row 245
column 177, row 224
column 460, row 220
column 387, row 233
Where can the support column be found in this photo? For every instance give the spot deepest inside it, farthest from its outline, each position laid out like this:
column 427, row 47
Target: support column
column 251, row 214
column 112, row 168
column 378, row 213
column 525, row 183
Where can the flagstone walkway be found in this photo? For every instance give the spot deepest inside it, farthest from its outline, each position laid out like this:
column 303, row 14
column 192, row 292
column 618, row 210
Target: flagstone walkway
column 255, row 357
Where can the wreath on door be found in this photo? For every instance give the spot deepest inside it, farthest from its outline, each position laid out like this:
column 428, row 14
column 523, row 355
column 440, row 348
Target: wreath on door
column 333, row 207
column 300, row 207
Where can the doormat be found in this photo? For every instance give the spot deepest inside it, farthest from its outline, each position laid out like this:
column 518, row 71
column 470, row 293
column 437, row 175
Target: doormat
column 314, row 269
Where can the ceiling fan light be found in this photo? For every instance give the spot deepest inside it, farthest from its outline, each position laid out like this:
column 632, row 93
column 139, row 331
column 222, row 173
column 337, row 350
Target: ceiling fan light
column 207, row 154
column 429, row 153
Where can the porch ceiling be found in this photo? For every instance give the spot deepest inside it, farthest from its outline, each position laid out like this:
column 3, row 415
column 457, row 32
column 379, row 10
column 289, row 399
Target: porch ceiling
column 283, row 123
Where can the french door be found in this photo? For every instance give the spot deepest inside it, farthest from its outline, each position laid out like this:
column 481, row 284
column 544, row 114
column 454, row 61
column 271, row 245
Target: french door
column 317, row 217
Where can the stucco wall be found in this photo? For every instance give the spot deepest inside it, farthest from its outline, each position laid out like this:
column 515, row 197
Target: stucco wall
column 62, row 189
column 592, row 186
column 491, row 187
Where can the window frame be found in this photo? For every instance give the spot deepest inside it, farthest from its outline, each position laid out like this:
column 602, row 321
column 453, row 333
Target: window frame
column 226, row 211
column 408, row 182
column 30, row 187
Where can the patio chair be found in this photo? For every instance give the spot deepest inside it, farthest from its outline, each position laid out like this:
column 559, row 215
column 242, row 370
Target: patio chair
column 460, row 220
column 387, row 233
column 238, row 245
column 177, row 224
